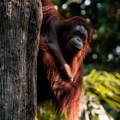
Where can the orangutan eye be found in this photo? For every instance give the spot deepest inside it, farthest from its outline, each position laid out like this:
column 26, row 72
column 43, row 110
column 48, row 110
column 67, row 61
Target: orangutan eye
column 77, row 32
column 83, row 36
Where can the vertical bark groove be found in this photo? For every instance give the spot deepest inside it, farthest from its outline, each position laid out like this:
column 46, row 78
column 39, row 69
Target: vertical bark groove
column 20, row 22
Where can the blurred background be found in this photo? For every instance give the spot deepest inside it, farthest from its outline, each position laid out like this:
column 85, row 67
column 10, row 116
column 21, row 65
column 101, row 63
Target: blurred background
column 102, row 64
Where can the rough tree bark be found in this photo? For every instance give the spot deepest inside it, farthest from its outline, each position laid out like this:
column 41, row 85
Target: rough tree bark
column 20, row 22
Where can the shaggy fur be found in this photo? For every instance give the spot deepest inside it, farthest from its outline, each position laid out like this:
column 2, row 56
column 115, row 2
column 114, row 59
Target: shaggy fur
column 50, row 84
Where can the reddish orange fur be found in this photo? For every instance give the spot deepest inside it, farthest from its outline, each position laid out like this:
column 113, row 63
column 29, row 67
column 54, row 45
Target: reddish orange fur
column 66, row 95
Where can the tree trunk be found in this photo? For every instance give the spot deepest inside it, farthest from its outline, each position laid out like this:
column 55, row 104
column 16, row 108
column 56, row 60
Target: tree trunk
column 20, row 22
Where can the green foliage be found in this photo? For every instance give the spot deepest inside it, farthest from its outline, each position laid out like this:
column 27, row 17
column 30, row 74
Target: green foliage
column 105, row 86
column 101, row 100
column 47, row 112
column 103, row 90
